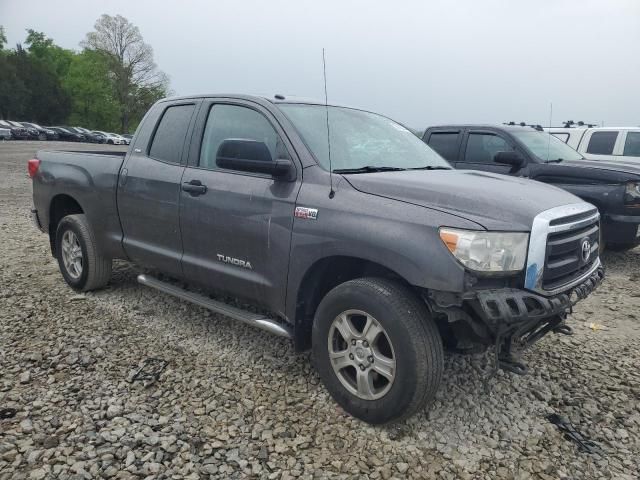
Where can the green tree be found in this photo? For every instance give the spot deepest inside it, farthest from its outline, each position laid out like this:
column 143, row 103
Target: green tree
column 93, row 102
column 41, row 47
column 40, row 95
column 134, row 75
column 3, row 38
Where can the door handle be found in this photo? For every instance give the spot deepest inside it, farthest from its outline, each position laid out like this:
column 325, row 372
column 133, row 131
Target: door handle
column 194, row 188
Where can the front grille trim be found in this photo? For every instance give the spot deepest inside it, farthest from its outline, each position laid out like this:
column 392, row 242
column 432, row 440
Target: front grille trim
column 555, row 220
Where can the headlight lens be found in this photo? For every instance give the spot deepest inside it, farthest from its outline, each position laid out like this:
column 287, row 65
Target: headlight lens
column 632, row 193
column 487, row 251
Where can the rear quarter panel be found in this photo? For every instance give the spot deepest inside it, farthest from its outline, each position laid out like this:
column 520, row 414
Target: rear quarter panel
column 91, row 180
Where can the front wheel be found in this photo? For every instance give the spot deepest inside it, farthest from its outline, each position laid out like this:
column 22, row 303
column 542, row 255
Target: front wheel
column 377, row 349
column 80, row 261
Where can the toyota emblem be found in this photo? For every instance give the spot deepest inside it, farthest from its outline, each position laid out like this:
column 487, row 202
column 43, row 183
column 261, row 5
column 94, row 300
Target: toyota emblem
column 585, row 250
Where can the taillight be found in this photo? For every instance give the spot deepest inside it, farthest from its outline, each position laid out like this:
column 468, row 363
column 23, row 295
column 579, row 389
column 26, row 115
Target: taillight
column 32, row 167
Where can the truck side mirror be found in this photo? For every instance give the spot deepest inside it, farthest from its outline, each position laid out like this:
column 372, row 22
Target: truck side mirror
column 512, row 158
column 252, row 156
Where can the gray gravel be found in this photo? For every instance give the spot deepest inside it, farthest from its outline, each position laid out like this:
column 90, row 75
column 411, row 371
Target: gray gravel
column 235, row 402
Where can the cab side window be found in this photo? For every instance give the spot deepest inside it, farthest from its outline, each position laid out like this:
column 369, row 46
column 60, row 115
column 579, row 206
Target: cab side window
column 446, row 144
column 602, row 143
column 171, row 133
column 235, row 122
column 482, row 147
column 632, row 145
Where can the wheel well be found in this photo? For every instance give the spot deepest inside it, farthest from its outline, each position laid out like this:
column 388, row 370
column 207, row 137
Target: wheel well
column 322, row 277
column 61, row 206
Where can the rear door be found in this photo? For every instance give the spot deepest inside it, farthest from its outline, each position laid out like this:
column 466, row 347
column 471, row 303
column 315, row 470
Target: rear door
column 149, row 189
column 479, row 149
column 236, row 231
column 446, row 142
column 600, row 144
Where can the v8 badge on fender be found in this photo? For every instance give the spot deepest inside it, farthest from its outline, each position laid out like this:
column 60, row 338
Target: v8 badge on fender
column 306, row 213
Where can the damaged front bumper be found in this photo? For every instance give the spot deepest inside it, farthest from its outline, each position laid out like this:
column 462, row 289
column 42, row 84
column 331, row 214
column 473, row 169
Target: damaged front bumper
column 512, row 319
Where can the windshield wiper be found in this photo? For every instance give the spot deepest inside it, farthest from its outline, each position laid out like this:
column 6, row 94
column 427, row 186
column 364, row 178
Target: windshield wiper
column 431, row 167
column 557, row 160
column 368, row 169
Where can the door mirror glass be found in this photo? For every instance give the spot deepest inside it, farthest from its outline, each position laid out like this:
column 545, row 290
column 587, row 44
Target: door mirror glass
column 252, row 156
column 512, row 158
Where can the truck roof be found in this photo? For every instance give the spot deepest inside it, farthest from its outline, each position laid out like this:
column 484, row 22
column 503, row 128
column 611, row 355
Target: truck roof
column 257, row 98
column 485, row 125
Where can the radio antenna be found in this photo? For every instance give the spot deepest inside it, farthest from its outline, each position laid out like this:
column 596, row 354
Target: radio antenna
column 326, row 106
column 550, row 126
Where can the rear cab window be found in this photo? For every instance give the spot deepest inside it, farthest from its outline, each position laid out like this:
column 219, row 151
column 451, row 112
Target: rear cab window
column 446, row 143
column 171, row 132
column 602, row 143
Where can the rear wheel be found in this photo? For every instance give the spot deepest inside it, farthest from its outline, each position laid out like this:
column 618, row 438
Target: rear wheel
column 377, row 349
column 82, row 265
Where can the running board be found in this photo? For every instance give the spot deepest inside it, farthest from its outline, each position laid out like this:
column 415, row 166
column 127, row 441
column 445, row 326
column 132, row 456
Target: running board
column 254, row 319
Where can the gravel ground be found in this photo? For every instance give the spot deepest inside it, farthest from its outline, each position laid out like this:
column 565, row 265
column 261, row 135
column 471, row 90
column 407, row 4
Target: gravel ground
column 235, row 402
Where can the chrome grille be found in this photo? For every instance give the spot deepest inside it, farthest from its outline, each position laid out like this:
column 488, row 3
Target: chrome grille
column 555, row 262
column 564, row 260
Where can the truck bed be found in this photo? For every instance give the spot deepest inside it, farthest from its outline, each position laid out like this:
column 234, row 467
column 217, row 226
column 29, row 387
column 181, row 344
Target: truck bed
column 90, row 178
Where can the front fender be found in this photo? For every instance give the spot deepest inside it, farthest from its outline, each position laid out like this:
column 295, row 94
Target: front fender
column 401, row 237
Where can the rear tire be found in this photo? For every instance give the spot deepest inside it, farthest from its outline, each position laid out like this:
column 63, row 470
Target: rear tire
column 407, row 348
column 81, row 263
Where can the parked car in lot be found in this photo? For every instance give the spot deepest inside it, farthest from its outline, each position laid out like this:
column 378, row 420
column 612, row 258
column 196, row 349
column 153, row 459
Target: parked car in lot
column 128, row 136
column 110, row 138
column 601, row 143
column 125, row 140
column 5, row 134
column 88, row 135
column 32, row 133
column 524, row 151
column 43, row 133
column 67, row 135
column 17, row 133
column 375, row 258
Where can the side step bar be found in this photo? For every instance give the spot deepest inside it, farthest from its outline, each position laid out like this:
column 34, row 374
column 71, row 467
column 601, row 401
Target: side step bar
column 249, row 318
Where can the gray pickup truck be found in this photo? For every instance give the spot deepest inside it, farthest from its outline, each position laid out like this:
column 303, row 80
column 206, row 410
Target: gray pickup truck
column 355, row 238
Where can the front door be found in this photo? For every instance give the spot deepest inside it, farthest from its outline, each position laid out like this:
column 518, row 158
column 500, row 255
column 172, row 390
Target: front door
column 149, row 193
column 236, row 229
column 480, row 147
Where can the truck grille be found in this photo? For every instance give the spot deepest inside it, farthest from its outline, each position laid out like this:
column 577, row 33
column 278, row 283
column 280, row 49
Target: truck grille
column 572, row 250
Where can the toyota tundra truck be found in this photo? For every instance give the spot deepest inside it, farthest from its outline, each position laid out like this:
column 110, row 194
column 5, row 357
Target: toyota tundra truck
column 352, row 237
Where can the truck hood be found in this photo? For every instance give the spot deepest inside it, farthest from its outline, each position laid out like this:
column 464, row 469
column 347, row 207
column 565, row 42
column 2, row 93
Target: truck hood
column 493, row 201
column 631, row 169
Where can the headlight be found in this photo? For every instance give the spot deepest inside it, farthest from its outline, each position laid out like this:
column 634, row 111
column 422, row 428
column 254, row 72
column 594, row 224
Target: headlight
column 487, row 251
column 632, row 193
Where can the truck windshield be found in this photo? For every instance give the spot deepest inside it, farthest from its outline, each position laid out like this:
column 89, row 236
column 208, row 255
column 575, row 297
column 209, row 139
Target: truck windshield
column 361, row 142
column 547, row 147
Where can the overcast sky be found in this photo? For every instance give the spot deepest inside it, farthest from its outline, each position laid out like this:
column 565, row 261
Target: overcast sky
column 420, row 62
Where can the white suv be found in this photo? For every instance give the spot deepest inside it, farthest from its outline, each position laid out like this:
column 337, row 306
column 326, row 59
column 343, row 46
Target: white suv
column 601, row 143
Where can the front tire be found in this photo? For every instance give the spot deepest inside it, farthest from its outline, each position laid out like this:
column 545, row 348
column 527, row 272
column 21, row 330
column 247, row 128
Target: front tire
column 377, row 349
column 82, row 265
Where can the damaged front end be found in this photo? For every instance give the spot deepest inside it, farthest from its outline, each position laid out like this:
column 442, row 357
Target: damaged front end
column 507, row 319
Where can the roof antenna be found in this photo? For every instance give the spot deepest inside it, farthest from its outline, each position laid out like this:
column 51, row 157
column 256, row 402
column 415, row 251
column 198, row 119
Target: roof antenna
column 326, row 106
column 550, row 126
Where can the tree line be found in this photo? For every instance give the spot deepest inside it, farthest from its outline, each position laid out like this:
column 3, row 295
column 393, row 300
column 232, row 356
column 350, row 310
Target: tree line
column 108, row 85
